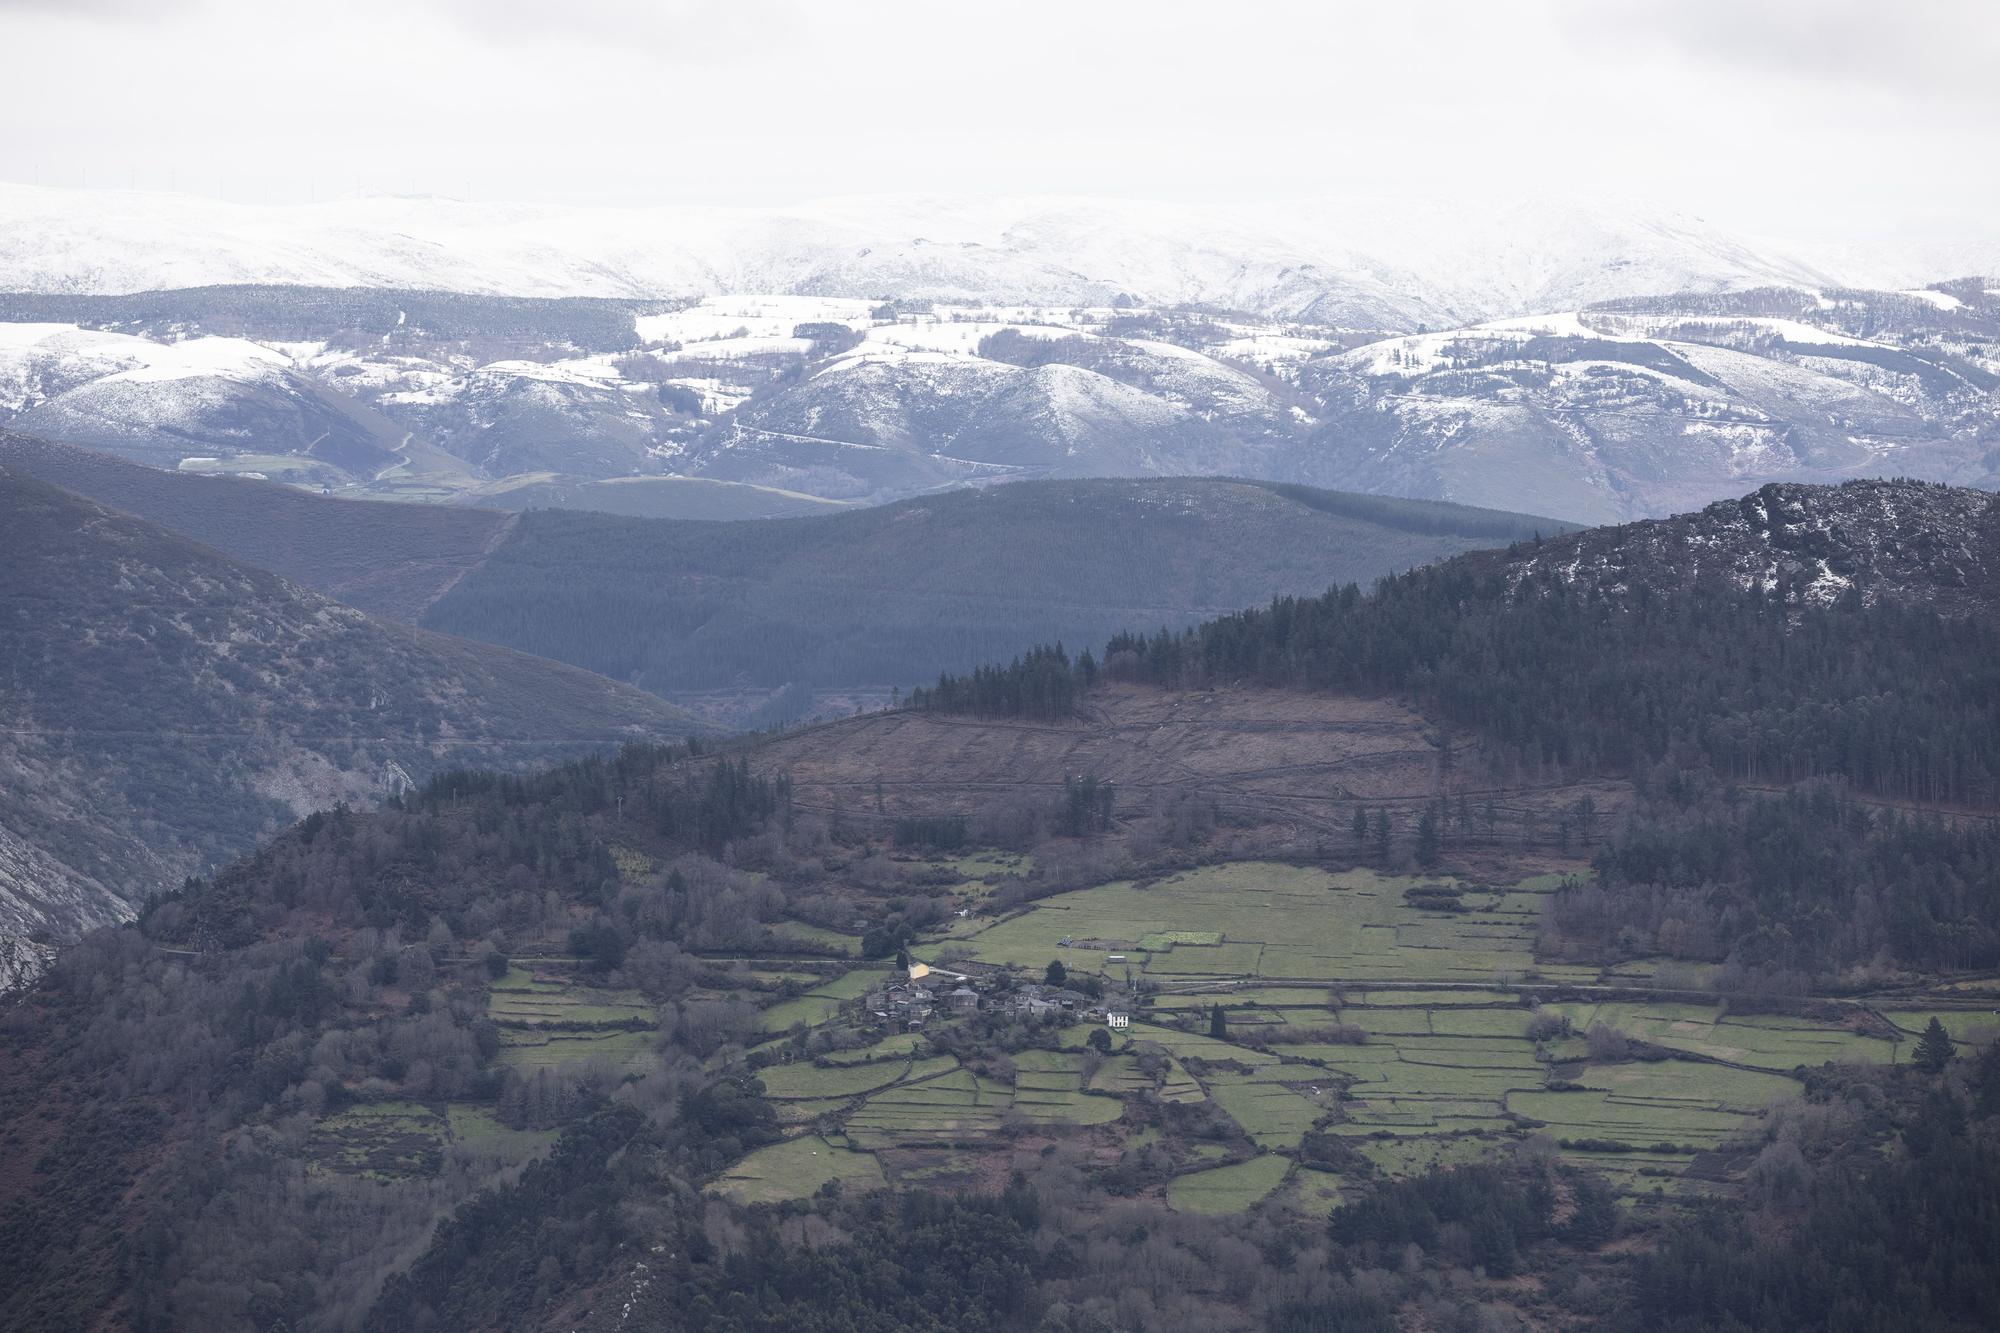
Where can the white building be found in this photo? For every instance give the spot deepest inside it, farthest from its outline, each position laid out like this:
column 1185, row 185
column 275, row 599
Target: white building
column 1117, row 1019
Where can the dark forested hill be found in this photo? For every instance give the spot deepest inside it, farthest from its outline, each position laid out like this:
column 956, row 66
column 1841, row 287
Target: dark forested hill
column 163, row 706
column 387, row 559
column 1802, row 632
column 781, row 614
column 891, row 596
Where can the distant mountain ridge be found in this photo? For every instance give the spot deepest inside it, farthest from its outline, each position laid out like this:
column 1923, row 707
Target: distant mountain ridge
column 763, row 621
column 773, row 404
column 1367, row 263
column 390, row 560
column 1650, row 406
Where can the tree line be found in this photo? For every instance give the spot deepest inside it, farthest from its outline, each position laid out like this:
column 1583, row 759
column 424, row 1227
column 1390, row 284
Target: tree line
column 1898, row 701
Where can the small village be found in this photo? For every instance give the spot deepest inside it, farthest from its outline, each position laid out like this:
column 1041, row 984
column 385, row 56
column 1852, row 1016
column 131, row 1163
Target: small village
column 921, row 996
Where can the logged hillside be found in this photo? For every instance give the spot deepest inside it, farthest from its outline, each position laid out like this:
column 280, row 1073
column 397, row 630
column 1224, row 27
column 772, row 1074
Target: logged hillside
column 166, row 706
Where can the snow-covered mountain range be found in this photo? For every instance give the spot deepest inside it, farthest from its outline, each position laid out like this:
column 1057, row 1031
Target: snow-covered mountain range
column 732, row 406
column 1359, row 263
column 1549, row 356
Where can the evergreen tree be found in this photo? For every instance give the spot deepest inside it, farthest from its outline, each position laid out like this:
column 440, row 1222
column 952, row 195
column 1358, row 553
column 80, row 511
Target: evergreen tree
column 1218, row 1024
column 1935, row 1048
column 1382, row 830
column 1056, row 974
column 1429, row 843
column 1360, row 827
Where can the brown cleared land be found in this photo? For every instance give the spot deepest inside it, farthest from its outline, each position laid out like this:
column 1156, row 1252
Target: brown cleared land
column 1265, row 756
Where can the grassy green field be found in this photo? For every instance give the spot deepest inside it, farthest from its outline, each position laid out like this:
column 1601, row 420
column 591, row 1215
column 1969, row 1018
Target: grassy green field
column 904, row 1103
column 527, row 1052
column 1764, row 1041
column 475, row 1128
column 1433, row 1064
column 1273, row 1115
column 821, row 1003
column 1263, row 921
column 796, row 1169
column 1228, row 1189
column 380, row 1139
column 899, row 1045
column 1974, row 1027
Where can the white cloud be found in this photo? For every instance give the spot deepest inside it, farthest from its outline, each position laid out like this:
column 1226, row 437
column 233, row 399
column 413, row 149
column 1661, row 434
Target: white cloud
column 1754, row 114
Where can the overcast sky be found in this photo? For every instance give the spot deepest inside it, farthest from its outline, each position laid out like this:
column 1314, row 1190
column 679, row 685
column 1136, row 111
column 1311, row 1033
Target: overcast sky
column 1774, row 115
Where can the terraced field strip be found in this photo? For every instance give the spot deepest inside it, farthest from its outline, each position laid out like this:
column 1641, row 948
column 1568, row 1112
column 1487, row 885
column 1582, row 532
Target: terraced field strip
column 1311, row 1193
column 1692, row 1083
column 524, row 999
column 1197, row 1045
column 817, row 938
column 806, row 1110
column 1414, row 1156
column 1595, row 1114
column 1975, row 1027
column 823, row 1002
column 531, row 1051
column 1763, row 1041
column 900, row 1045
column 1428, row 999
column 476, row 1128
column 805, row 1079
column 549, row 1021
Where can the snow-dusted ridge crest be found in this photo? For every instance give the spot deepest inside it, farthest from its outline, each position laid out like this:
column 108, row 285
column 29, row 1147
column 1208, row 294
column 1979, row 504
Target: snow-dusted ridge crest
column 1902, row 541
column 1357, row 263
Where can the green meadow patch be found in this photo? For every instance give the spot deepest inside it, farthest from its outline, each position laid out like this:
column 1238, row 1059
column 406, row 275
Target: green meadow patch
column 1228, row 1189
column 823, row 1002
column 477, row 1129
column 804, row 1079
column 1264, row 921
column 1273, row 1115
column 796, row 1169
